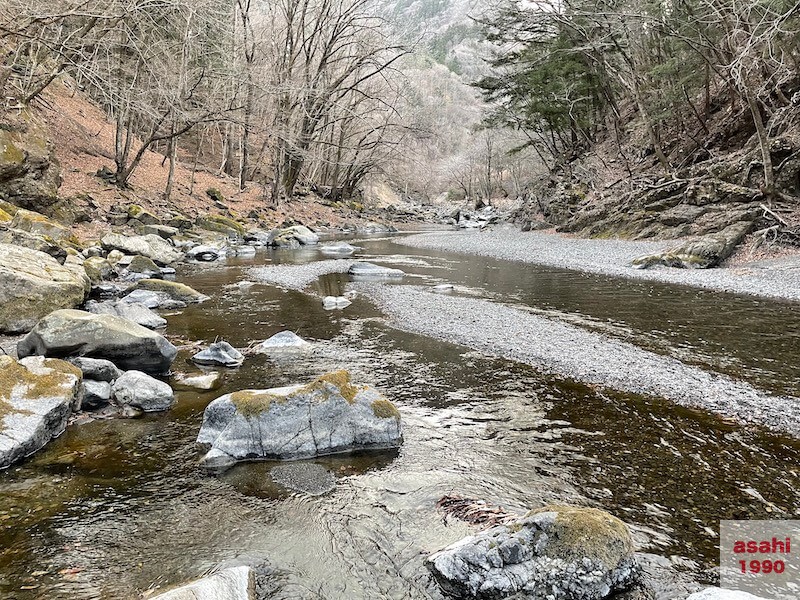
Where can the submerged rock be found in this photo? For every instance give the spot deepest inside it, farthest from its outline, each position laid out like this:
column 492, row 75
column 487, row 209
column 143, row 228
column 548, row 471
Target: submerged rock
column 32, row 285
column 338, row 248
column 327, row 416
column 307, row 477
column 366, row 270
column 236, row 583
column 77, row 333
column 219, row 353
column 132, row 311
column 139, row 390
column 335, row 302
column 177, row 292
column 285, row 341
column 37, row 396
column 557, row 552
column 444, row 288
column 205, row 381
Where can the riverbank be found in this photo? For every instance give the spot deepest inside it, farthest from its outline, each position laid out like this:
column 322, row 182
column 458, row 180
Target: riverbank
column 774, row 278
column 570, row 352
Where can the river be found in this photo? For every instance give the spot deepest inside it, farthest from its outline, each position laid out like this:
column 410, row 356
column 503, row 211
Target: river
column 114, row 508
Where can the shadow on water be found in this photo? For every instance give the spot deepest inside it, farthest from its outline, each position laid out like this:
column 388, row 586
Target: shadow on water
column 114, row 508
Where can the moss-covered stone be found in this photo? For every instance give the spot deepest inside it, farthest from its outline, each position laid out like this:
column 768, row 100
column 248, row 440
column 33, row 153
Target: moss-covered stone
column 580, row 532
column 175, row 290
column 251, row 403
column 138, row 213
column 215, row 195
column 4, row 216
column 383, row 409
column 18, row 383
column 38, row 224
column 220, row 224
column 340, row 379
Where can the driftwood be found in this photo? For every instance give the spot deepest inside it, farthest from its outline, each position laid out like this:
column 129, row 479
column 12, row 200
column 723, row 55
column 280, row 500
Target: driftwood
column 473, row 511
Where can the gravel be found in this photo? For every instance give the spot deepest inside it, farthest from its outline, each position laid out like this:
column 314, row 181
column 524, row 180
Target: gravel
column 298, row 277
column 571, row 352
column 771, row 279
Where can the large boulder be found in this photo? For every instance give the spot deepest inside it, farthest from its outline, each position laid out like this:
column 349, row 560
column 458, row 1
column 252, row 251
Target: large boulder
column 702, row 253
column 337, row 249
column 141, row 391
column 367, row 270
column 132, row 311
column 23, row 239
column 78, row 333
column 219, row 353
column 37, row 224
column 169, row 291
column 151, row 246
column 37, row 397
column 292, row 237
column 220, row 224
column 236, row 583
column 327, row 416
column 29, row 172
column 557, row 552
column 33, row 284
column 98, row 269
column 96, row 368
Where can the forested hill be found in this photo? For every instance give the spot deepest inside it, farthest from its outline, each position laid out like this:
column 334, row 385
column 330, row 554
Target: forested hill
column 655, row 119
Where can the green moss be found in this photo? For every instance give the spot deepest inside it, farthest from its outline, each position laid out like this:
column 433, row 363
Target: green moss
column 221, row 224
column 251, row 403
column 10, row 153
column 29, row 386
column 215, row 194
column 11, row 209
column 4, row 216
column 383, row 409
column 175, row 290
column 341, row 379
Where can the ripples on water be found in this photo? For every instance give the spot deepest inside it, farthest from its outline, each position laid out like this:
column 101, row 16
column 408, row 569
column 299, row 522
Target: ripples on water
column 113, row 508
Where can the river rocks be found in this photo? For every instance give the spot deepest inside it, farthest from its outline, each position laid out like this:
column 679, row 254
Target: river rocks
column 96, row 394
column 145, row 217
column 236, row 583
column 132, row 311
column 33, row 284
column 327, row 416
column 219, row 353
column 204, row 381
column 96, row 368
column 142, row 267
column 557, row 552
column 367, row 270
column 443, row 288
column 166, row 291
column 98, row 269
column 139, row 390
column 151, row 246
column 702, row 253
column 79, row 333
column 203, row 253
column 335, row 302
column 38, row 224
column 293, row 237
column 338, row 249
column 285, row 341
column 722, row 594
column 163, row 231
column 37, row 396
column 29, row 172
column 220, row 224
column 23, row 239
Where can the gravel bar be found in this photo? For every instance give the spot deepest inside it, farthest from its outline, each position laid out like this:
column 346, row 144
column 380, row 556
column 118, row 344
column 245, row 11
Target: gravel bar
column 770, row 279
column 571, row 352
column 298, row 277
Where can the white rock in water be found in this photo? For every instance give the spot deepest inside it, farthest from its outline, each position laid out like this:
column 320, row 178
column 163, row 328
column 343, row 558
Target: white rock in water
column 326, row 416
column 245, row 285
column 713, row 593
column 557, row 552
column 444, row 288
column 206, row 381
column 236, row 583
column 204, row 253
column 366, row 270
column 139, row 390
column 338, row 248
column 335, row 302
column 219, row 353
column 241, row 251
column 285, row 341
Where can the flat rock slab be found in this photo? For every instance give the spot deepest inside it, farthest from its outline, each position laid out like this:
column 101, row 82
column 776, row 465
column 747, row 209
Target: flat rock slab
column 219, row 353
column 152, row 246
column 367, row 270
column 37, row 397
column 237, row 583
column 283, row 342
column 128, row 345
column 132, row 311
column 326, row 416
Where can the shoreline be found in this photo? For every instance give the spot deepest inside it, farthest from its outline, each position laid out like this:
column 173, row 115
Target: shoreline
column 778, row 279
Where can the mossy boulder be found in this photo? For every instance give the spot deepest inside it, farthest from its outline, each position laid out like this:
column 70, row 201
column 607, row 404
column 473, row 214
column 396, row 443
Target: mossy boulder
column 38, row 224
column 221, row 224
column 326, row 416
column 5, row 217
column 23, row 239
column 142, row 265
column 145, row 217
column 29, row 172
column 66, row 333
column 172, row 289
column 33, row 284
column 98, row 269
column 151, row 246
column 558, row 552
column 701, row 253
column 37, row 397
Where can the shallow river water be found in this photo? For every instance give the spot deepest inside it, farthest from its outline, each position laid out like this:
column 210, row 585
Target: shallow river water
column 116, row 508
